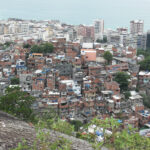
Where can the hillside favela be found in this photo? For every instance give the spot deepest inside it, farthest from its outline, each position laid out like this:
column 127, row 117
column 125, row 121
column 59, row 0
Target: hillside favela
column 74, row 87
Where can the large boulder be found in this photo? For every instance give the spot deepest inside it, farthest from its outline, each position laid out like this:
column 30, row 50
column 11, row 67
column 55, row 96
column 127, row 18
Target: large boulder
column 13, row 131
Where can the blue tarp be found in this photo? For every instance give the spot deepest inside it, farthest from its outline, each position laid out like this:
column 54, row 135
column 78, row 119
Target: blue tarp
column 20, row 66
column 98, row 133
column 119, row 121
column 87, row 85
column 54, row 101
column 141, row 111
column 87, row 113
column 40, row 79
column 70, row 90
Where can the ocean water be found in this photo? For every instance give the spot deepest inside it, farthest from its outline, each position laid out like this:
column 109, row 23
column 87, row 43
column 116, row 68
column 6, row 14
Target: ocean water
column 116, row 13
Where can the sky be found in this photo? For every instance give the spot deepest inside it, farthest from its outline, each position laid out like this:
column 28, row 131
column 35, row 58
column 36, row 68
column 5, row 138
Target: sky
column 116, row 13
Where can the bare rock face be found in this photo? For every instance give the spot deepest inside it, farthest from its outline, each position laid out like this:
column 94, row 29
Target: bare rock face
column 13, row 131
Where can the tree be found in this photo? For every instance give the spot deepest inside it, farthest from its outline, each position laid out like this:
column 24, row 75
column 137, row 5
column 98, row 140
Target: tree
column 127, row 94
column 26, row 45
column 108, row 57
column 17, row 103
column 143, row 52
column 104, row 40
column 42, row 48
column 47, row 47
column 122, row 79
column 99, row 41
column 77, row 124
column 35, row 49
column 146, row 100
column 145, row 64
column 14, row 81
column 8, row 43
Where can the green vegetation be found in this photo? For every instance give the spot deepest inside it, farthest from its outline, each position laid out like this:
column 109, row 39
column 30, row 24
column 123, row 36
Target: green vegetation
column 6, row 45
column 146, row 100
column 104, row 40
column 63, row 126
column 50, row 114
column 120, row 139
column 17, row 103
column 42, row 48
column 26, row 45
column 122, row 79
column 77, row 124
column 145, row 64
column 108, row 57
column 50, row 120
column 145, row 53
column 43, row 141
column 14, row 81
column 127, row 94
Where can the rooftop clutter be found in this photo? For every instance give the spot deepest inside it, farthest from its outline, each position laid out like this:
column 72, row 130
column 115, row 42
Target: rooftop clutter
column 75, row 78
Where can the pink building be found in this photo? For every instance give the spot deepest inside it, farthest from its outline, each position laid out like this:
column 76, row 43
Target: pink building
column 86, row 31
column 88, row 54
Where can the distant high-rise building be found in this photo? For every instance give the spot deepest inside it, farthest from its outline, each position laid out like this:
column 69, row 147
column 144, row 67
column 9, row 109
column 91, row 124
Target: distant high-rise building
column 99, row 26
column 86, row 31
column 1, row 29
column 122, row 30
column 137, row 41
column 141, row 41
column 148, row 40
column 136, row 26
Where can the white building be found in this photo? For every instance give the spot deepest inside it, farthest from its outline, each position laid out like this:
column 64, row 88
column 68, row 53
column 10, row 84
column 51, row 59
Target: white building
column 73, row 86
column 99, row 28
column 136, row 26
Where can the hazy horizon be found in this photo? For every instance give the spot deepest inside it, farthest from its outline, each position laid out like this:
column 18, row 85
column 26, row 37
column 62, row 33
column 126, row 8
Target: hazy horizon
column 116, row 13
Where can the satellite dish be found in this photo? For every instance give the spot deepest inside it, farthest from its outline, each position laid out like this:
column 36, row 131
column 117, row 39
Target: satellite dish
column 28, row 78
column 82, row 52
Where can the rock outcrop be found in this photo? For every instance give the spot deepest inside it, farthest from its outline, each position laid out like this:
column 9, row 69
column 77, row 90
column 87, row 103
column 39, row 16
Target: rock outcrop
column 12, row 131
